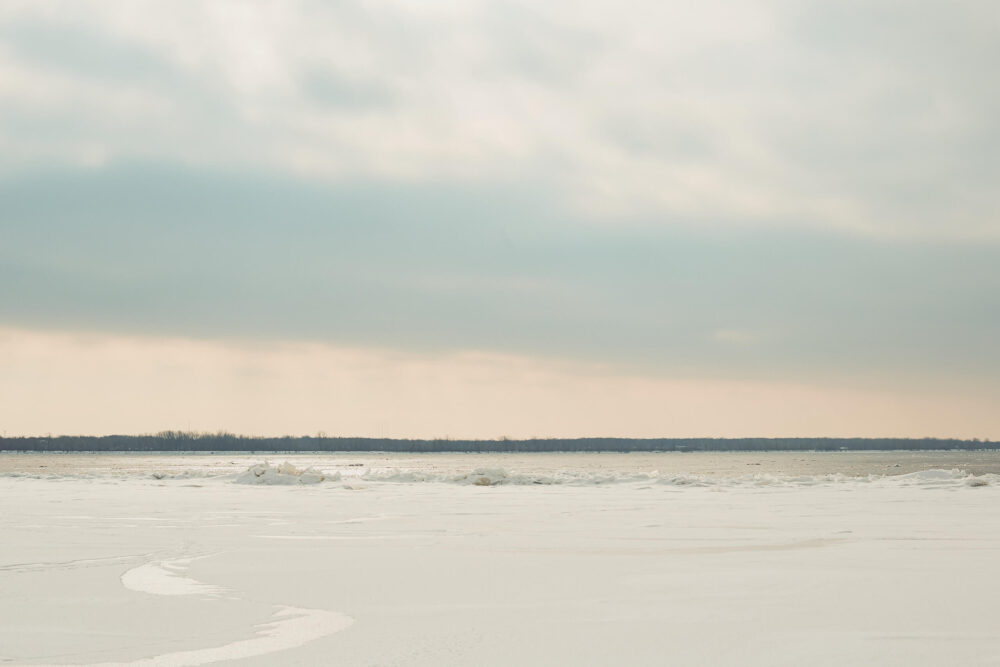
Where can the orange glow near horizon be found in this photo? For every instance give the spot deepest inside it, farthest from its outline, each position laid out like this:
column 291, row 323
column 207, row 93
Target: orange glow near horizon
column 66, row 383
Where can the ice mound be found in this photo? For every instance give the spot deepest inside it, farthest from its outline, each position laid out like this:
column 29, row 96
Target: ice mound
column 185, row 474
column 478, row 477
column 934, row 475
column 483, row 477
column 504, row 477
column 941, row 478
column 284, row 474
column 757, row 480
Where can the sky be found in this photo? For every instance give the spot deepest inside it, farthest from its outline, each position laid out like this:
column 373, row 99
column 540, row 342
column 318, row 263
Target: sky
column 485, row 219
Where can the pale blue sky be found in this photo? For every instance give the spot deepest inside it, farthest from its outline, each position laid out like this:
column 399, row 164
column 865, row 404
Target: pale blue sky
column 744, row 191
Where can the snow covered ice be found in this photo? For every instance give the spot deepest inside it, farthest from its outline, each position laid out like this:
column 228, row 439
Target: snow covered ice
column 554, row 561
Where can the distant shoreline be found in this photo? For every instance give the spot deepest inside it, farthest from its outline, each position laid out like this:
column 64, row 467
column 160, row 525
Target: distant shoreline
column 176, row 441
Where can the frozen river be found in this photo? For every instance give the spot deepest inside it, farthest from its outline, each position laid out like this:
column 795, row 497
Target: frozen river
column 529, row 559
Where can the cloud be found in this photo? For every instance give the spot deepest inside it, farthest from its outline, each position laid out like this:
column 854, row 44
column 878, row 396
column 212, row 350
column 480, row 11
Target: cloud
column 159, row 249
column 88, row 53
column 329, row 88
column 876, row 118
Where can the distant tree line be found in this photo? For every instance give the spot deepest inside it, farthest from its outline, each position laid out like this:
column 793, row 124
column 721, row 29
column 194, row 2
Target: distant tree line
column 183, row 441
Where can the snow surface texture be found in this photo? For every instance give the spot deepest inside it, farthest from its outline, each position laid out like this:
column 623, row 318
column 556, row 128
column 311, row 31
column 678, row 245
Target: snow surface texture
column 166, row 578
column 445, row 570
column 288, row 628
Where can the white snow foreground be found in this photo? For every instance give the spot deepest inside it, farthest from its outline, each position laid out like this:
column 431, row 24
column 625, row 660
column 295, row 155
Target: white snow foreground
column 754, row 570
column 284, row 474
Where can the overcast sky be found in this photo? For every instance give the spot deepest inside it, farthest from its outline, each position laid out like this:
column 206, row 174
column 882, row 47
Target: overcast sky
column 496, row 218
